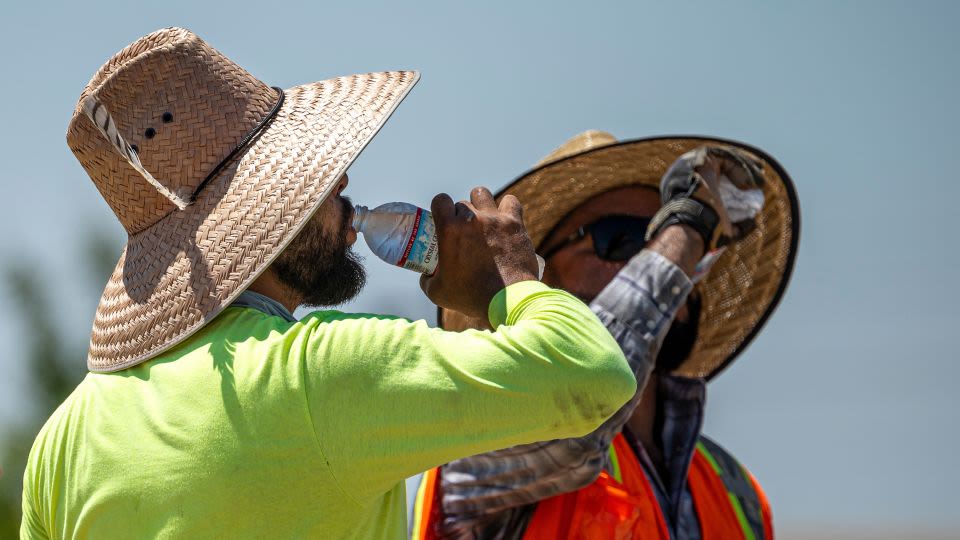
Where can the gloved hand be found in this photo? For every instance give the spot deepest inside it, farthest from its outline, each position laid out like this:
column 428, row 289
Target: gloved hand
column 715, row 190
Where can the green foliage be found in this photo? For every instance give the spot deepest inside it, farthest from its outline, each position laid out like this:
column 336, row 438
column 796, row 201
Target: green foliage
column 53, row 355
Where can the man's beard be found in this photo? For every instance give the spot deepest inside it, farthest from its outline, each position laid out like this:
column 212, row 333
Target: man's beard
column 320, row 266
column 679, row 341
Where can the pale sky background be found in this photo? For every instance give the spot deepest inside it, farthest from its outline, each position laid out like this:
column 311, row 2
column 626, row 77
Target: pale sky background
column 845, row 405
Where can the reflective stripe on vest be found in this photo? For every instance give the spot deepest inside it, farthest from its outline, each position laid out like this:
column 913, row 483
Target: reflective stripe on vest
column 621, row 504
column 425, row 510
column 740, row 488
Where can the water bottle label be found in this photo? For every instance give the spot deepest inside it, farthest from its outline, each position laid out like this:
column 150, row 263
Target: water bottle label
column 420, row 253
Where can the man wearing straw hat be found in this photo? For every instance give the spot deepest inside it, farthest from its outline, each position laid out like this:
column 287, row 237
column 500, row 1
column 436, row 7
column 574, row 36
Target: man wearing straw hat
column 591, row 207
column 210, row 411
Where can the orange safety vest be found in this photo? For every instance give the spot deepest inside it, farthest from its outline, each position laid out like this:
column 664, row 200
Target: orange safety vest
column 620, row 503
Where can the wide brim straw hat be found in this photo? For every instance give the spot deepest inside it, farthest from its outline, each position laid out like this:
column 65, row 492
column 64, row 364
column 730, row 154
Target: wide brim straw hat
column 212, row 173
column 745, row 284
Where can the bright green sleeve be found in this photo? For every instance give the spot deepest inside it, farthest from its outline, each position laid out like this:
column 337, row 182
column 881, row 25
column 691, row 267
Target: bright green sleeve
column 390, row 398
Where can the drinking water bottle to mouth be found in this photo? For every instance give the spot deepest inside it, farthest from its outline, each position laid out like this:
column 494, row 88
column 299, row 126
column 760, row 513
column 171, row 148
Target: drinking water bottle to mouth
column 403, row 235
column 400, row 233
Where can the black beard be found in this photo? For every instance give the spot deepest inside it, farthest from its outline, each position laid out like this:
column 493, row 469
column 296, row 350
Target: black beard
column 320, row 266
column 679, row 341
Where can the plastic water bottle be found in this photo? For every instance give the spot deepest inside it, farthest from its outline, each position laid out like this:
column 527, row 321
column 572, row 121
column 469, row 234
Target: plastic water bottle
column 399, row 233
column 403, row 235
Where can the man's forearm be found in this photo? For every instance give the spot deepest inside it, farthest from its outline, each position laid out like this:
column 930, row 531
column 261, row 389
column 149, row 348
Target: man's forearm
column 681, row 245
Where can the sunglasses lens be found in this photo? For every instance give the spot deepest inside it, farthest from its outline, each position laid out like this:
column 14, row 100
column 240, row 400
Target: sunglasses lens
column 617, row 238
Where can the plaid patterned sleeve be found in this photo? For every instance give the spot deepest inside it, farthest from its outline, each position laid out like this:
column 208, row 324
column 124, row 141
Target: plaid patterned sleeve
column 637, row 307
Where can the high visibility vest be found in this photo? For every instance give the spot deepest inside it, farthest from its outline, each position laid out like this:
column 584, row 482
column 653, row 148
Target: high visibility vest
column 620, row 504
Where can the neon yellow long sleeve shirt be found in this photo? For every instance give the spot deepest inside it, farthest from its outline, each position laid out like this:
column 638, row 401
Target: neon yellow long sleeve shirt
column 257, row 427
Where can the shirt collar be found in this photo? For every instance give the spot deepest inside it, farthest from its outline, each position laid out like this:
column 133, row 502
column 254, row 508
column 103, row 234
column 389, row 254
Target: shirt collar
column 676, row 389
column 680, row 407
column 250, row 299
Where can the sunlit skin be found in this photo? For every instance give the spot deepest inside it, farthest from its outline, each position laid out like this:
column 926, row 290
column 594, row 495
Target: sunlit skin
column 577, row 269
column 331, row 214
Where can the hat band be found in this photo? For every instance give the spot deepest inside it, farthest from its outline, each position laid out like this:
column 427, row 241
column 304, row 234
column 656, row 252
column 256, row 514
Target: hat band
column 244, row 142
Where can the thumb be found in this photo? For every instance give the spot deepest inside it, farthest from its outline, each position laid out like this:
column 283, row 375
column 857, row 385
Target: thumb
column 442, row 209
column 425, row 284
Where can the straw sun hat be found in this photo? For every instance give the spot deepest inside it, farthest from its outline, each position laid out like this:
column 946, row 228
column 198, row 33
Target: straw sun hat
column 212, row 173
column 744, row 286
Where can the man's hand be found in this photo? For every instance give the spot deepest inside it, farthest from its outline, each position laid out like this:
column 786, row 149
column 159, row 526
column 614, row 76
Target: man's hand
column 684, row 229
column 483, row 249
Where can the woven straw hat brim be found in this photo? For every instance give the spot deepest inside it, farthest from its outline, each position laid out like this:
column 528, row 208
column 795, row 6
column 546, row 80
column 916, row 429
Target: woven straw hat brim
column 180, row 272
column 747, row 282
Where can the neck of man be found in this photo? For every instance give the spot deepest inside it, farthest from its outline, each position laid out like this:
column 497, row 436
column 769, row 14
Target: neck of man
column 643, row 424
column 269, row 285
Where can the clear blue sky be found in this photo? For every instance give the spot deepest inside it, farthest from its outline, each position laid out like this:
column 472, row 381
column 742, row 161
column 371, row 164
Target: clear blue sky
column 845, row 405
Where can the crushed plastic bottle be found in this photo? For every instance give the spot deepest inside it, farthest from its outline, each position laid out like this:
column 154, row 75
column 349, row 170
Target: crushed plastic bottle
column 403, row 235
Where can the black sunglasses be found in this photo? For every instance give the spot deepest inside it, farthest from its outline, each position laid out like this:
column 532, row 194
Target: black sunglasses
column 615, row 237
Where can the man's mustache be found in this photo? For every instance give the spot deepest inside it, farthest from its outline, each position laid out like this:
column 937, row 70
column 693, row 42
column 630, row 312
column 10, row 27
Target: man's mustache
column 347, row 205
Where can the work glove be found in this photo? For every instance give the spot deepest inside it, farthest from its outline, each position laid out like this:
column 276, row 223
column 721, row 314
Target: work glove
column 715, row 190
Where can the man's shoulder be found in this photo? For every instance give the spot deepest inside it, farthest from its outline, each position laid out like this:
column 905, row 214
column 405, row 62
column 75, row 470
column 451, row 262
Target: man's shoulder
column 245, row 315
column 61, row 416
column 44, row 458
column 332, row 315
column 745, row 493
column 735, row 476
column 237, row 323
column 721, row 459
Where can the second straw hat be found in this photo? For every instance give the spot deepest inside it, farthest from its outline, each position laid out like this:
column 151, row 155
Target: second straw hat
column 743, row 287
